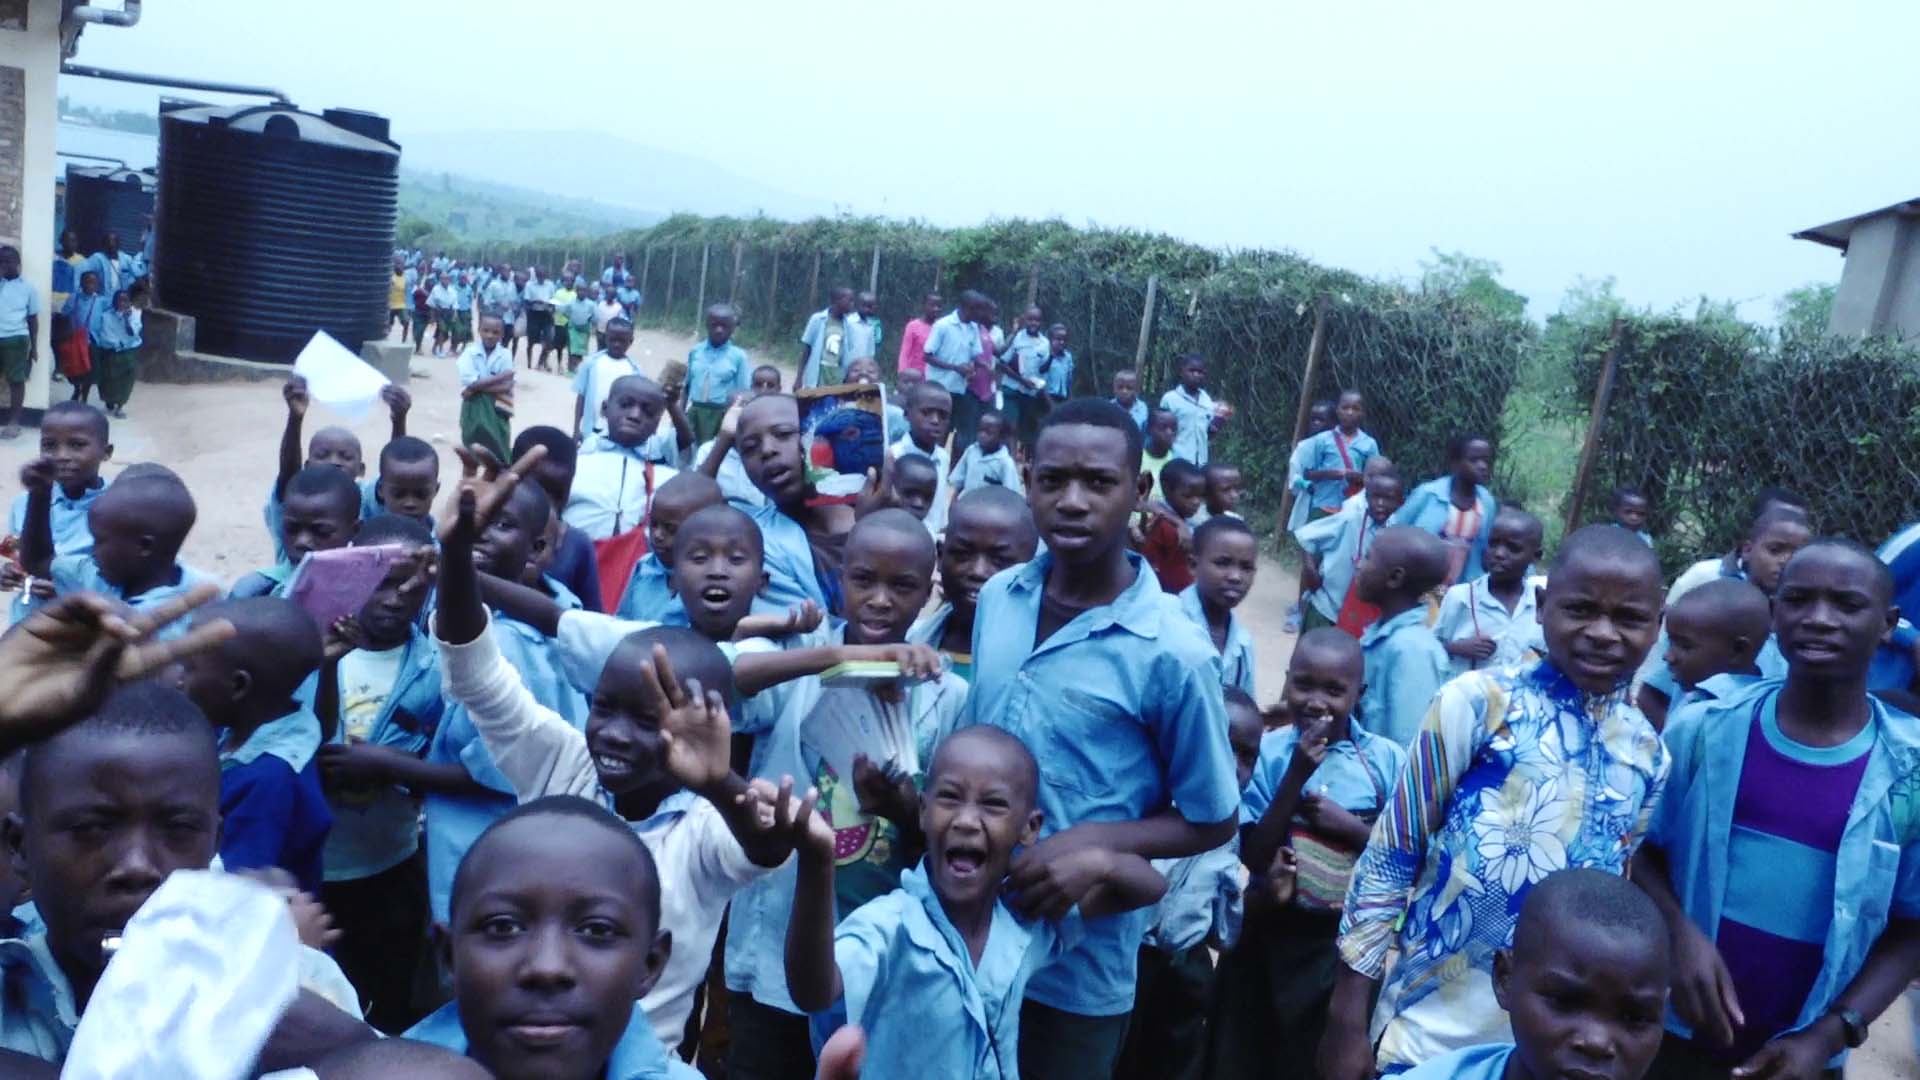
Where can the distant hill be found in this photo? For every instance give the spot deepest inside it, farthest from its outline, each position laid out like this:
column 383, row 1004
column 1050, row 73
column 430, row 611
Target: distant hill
column 465, row 208
column 609, row 170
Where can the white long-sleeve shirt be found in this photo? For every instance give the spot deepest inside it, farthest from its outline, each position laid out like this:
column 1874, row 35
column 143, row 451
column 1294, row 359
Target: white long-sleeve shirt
column 699, row 861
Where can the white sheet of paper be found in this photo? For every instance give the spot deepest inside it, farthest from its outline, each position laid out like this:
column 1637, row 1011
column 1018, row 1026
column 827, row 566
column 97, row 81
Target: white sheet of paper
column 337, row 378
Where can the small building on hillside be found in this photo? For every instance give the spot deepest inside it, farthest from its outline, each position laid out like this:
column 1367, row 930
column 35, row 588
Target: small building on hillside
column 1880, row 282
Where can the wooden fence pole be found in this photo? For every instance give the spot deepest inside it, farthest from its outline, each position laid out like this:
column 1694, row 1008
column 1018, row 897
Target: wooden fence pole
column 939, row 264
column 646, row 264
column 1033, row 284
column 700, row 306
column 773, row 293
column 1316, row 348
column 733, row 290
column 873, row 271
column 1146, row 322
column 673, row 264
column 1602, row 398
column 813, row 281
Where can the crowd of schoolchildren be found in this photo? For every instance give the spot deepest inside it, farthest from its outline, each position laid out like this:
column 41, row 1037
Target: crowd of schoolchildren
column 1505, row 818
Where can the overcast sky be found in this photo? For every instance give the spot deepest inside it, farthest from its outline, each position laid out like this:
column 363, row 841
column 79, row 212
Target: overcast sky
column 1673, row 146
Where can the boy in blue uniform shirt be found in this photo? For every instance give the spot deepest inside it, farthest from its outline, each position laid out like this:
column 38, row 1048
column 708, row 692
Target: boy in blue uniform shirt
column 799, row 567
column 1057, row 367
column 939, row 964
column 990, row 531
column 272, row 812
column 319, row 511
column 1126, row 394
column 987, row 463
column 572, row 563
column 1493, row 621
column 1457, row 507
column 546, row 863
column 332, row 446
column 1193, row 409
column 1714, row 635
column 1588, row 966
column 1514, row 774
column 1405, row 662
column 1315, row 791
column 378, row 704
column 1225, row 558
column 1807, row 781
column 650, row 595
column 1332, row 549
column 717, row 369
column 141, row 768
column 1081, row 655
column 1334, row 460
column 74, row 440
column 138, row 524
column 1631, row 512
column 19, row 335
column 1023, row 386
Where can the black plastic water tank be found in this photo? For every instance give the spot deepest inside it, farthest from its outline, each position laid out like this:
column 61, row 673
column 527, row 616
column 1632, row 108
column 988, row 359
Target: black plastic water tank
column 273, row 223
column 104, row 199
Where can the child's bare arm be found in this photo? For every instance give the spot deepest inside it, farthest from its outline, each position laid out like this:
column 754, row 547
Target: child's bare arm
column 813, row 978
column 1261, row 841
column 755, row 672
column 36, row 534
column 682, row 428
column 459, row 615
column 1129, row 882
column 291, row 457
column 802, row 619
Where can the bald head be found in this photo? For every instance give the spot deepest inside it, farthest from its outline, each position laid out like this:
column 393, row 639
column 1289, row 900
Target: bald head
column 275, row 642
column 1011, row 754
column 1728, row 608
column 999, row 508
column 692, row 656
column 1329, row 649
column 1420, row 555
column 899, row 531
column 150, row 500
column 1566, row 898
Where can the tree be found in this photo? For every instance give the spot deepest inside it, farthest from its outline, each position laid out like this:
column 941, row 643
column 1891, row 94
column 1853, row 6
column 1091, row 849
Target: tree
column 1474, row 280
column 1804, row 311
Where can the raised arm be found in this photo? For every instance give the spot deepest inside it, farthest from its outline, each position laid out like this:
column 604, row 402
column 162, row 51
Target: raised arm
column 813, row 978
column 291, row 455
column 399, row 403
column 36, row 535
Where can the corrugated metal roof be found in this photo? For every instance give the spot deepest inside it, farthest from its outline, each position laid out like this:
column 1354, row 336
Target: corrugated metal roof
column 1835, row 234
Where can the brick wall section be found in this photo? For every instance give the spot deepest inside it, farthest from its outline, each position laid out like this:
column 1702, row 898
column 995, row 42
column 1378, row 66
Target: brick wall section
column 13, row 130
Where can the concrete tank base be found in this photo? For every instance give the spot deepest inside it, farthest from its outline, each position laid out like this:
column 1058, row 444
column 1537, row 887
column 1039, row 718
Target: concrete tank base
column 168, row 356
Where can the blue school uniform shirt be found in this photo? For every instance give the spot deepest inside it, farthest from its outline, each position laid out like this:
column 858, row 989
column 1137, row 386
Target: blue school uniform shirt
column 1341, row 541
column 1060, row 375
column 1322, row 451
column 1485, row 1062
column 650, row 597
column 1139, row 412
column 1195, row 415
column 1023, row 352
column 964, row 1018
column 788, row 559
column 463, row 297
column 1122, row 706
column 115, row 330
column 454, row 822
column 715, row 375
column 272, row 811
column 116, row 271
column 79, row 573
column 978, row 469
column 1360, row 772
column 1876, row 868
column 1470, row 610
column 68, row 520
column 1236, row 660
column 1405, row 666
column 1428, row 506
column 637, row 1056
column 1204, row 903
column 374, row 831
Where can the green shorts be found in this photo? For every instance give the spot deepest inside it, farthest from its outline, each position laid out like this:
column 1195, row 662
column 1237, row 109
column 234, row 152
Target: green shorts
column 13, row 358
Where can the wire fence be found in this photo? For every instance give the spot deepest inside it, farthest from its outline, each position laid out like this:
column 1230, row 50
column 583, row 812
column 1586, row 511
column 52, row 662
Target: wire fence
column 1703, row 410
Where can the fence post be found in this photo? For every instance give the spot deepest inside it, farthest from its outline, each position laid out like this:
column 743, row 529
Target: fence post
column 733, row 290
column 673, row 264
column 700, row 305
column 813, row 280
column 939, row 264
column 1033, row 284
column 646, row 263
column 1316, row 348
column 1602, row 398
column 873, row 271
column 773, row 292
column 1146, row 323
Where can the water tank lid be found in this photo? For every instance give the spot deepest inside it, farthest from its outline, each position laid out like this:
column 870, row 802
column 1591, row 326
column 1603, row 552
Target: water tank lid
column 256, row 118
column 113, row 174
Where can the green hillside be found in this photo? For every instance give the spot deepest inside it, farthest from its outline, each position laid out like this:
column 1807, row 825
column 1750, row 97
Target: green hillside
column 451, row 209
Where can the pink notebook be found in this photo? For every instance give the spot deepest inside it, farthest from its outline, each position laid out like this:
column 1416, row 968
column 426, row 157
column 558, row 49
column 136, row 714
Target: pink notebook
column 330, row 585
